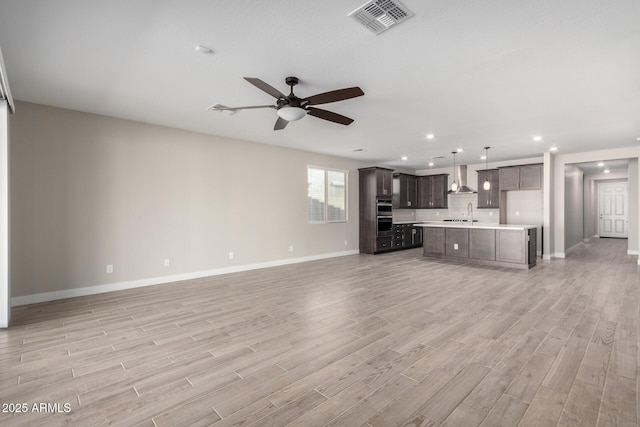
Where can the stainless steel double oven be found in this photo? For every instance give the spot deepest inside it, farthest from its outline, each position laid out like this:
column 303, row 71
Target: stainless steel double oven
column 384, row 217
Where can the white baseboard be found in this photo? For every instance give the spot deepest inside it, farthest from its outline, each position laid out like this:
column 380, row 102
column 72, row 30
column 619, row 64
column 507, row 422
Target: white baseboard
column 559, row 255
column 572, row 248
column 547, row 257
column 110, row 287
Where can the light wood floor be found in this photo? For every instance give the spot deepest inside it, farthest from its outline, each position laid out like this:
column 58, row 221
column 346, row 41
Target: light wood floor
column 380, row 340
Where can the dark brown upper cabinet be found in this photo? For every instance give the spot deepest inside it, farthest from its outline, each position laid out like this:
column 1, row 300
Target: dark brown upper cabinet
column 527, row 177
column 432, row 191
column 384, row 182
column 489, row 199
column 405, row 191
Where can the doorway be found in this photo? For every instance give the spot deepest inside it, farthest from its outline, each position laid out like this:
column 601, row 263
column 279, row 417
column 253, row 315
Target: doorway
column 613, row 209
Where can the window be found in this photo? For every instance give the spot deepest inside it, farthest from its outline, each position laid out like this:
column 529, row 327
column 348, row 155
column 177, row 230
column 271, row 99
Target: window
column 327, row 195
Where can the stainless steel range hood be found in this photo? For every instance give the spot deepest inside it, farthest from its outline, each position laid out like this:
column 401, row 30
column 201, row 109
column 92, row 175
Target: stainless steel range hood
column 461, row 178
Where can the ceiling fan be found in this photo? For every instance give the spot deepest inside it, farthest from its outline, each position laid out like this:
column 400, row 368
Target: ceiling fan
column 290, row 108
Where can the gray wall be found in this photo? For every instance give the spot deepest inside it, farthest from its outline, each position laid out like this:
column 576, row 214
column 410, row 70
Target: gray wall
column 573, row 206
column 526, row 207
column 633, row 207
column 590, row 213
column 5, row 282
column 90, row 190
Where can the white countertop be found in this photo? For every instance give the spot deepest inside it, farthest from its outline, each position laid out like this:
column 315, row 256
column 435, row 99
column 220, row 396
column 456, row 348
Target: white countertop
column 486, row 225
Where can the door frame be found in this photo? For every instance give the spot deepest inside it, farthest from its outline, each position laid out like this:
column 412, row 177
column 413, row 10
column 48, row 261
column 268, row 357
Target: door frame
column 626, row 206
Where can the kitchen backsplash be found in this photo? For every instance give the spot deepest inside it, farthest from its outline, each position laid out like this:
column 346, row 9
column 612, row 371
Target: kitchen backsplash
column 457, row 210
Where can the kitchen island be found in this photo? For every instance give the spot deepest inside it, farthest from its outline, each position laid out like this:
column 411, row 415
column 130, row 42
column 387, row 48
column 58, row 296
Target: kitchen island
column 501, row 245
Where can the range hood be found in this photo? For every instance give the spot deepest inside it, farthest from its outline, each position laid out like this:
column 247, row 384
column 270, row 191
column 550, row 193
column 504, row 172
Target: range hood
column 461, row 178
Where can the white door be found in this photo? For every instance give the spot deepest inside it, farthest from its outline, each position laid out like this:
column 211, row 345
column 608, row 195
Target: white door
column 613, row 207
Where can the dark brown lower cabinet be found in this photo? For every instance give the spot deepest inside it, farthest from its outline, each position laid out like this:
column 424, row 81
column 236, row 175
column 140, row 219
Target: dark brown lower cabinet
column 406, row 236
column 482, row 244
column 457, row 242
column 489, row 246
column 384, row 243
column 433, row 241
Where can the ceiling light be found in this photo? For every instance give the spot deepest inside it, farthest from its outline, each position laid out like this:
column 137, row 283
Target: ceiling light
column 431, row 163
column 487, row 183
column 483, row 157
column 601, row 164
column 291, row 114
column 553, row 149
column 459, row 150
column 404, row 157
column 430, row 136
column 606, row 171
column 537, row 138
column 203, row 49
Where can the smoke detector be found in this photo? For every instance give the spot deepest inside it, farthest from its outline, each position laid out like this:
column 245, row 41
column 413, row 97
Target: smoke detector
column 379, row 15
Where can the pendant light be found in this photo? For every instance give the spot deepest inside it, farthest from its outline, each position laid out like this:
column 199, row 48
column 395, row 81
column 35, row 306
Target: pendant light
column 454, row 184
column 487, row 183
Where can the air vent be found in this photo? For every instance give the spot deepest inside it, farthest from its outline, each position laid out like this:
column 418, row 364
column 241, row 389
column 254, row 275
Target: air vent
column 378, row 15
column 438, row 157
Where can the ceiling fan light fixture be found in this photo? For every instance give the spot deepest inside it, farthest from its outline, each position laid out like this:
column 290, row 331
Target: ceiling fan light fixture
column 291, row 114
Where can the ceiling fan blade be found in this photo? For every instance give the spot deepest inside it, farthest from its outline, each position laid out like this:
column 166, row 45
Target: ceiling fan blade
column 219, row 107
column 265, row 87
column 280, row 124
column 334, row 95
column 329, row 115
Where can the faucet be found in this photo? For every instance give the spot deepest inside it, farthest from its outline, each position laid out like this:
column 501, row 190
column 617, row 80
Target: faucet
column 470, row 211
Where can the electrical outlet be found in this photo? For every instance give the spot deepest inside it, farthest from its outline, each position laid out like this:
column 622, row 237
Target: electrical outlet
column 230, row 255
column 490, row 213
column 109, row 268
column 455, row 246
column 167, row 262
column 437, row 213
column 345, row 243
column 291, row 248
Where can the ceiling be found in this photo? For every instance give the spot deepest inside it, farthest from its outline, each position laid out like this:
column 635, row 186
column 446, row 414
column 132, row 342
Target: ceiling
column 595, row 168
column 491, row 73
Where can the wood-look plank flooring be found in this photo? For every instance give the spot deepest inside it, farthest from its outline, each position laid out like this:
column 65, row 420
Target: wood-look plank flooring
column 385, row 340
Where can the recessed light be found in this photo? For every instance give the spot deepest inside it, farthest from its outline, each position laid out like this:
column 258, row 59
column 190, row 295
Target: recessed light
column 430, row 136
column 483, row 157
column 404, row 157
column 553, row 149
column 537, row 138
column 601, row 164
column 203, row 49
column 431, row 163
column 358, row 150
column 607, row 171
column 459, row 150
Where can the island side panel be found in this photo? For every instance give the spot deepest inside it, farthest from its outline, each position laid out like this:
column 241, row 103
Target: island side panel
column 511, row 246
